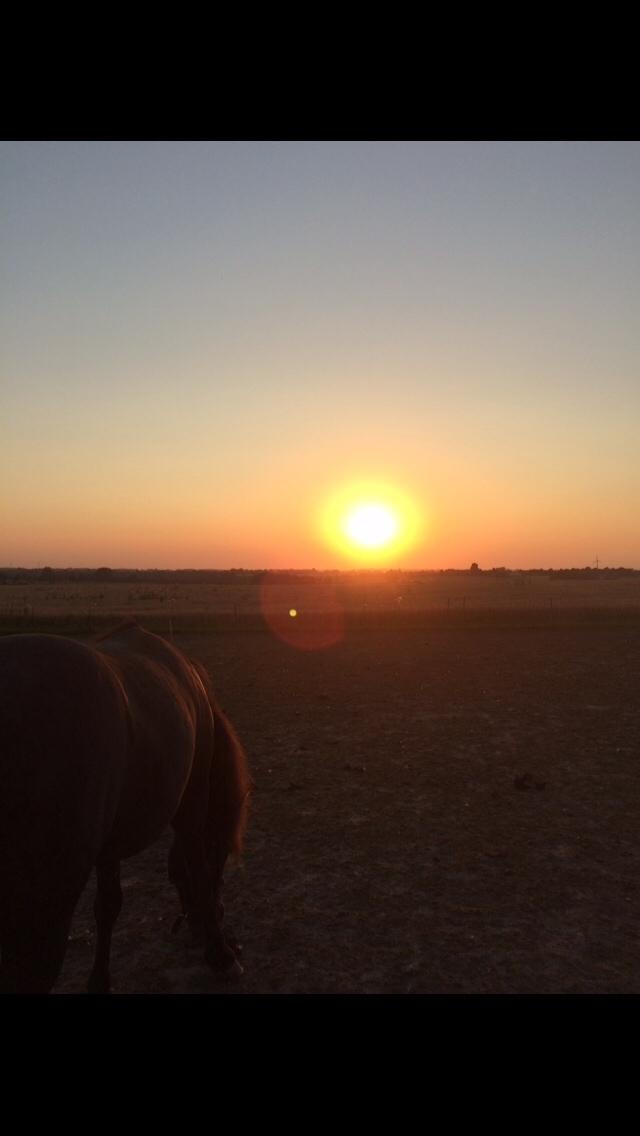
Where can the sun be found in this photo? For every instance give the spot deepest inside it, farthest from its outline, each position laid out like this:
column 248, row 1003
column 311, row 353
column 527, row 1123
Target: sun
column 370, row 522
column 371, row 525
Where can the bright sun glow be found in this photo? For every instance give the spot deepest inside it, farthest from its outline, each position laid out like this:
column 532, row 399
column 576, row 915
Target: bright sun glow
column 371, row 526
column 370, row 522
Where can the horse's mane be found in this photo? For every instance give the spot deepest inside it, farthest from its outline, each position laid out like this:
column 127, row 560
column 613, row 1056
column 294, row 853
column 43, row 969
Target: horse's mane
column 230, row 784
column 126, row 624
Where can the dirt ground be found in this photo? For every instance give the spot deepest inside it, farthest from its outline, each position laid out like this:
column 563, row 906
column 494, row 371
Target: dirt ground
column 454, row 811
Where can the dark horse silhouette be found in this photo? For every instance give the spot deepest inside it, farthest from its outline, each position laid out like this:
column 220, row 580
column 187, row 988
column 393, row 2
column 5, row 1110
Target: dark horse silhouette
column 103, row 746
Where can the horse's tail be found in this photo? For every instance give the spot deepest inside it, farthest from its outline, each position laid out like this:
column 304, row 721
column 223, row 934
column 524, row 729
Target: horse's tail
column 230, row 785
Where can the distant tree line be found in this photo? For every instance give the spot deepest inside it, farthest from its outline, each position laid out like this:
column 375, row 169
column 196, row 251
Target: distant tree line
column 251, row 576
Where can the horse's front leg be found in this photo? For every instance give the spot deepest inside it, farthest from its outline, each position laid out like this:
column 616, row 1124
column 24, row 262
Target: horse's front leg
column 106, row 908
column 205, row 908
column 231, row 946
column 179, row 877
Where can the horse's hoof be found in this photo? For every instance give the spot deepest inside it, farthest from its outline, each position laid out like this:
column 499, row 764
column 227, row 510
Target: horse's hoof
column 98, row 986
column 227, row 966
column 233, row 972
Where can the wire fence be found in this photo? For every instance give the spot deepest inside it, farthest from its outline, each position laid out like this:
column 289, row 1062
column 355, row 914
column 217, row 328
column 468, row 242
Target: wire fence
column 31, row 620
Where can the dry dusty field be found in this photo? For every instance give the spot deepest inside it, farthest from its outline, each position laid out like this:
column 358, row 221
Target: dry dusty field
column 436, row 812
column 100, row 604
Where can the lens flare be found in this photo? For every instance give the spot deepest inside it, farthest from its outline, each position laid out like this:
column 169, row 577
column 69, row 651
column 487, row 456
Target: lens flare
column 316, row 627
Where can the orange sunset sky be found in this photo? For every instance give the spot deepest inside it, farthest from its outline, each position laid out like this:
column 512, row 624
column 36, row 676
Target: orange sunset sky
column 214, row 354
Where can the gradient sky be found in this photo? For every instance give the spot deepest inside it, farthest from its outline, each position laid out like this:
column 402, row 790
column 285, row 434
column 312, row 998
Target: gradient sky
column 202, row 343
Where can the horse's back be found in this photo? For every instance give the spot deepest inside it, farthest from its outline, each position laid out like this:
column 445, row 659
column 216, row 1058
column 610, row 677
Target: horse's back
column 173, row 735
column 63, row 729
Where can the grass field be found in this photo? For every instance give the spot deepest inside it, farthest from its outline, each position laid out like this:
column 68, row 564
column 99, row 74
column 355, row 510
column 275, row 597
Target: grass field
column 447, row 795
column 395, row 601
column 446, row 812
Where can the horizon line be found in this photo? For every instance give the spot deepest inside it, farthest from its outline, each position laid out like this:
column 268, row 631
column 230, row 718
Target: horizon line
column 474, row 568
